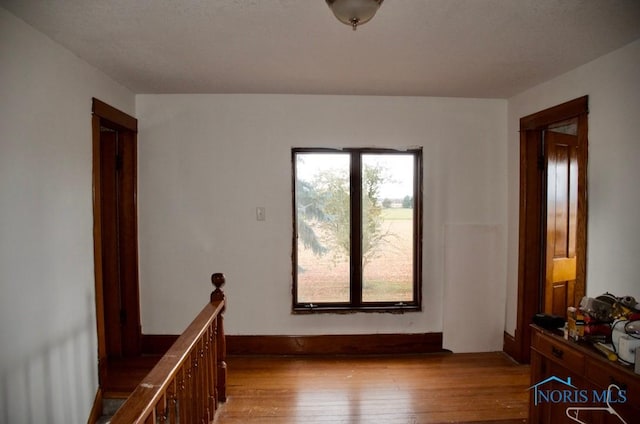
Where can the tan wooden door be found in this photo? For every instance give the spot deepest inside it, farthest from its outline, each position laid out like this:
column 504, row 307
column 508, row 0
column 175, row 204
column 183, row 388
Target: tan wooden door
column 561, row 153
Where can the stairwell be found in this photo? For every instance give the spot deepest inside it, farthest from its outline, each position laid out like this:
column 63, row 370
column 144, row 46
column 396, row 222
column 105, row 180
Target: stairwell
column 109, row 408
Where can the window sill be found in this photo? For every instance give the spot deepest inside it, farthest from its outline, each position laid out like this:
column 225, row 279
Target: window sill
column 338, row 309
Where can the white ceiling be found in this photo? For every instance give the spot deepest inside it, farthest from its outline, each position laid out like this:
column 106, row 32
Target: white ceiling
column 460, row 48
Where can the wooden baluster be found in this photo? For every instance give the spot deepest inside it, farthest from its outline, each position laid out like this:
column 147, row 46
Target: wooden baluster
column 195, row 365
column 189, row 390
column 218, row 281
column 193, row 388
column 202, row 387
column 213, row 354
column 195, row 398
column 161, row 409
column 210, row 377
column 204, row 397
column 199, row 388
column 172, row 402
column 182, row 396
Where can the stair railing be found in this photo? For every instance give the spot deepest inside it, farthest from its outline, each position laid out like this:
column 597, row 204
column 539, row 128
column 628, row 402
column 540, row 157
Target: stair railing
column 190, row 380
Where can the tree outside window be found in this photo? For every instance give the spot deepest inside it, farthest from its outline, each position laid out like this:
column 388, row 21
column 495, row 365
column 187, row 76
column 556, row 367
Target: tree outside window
column 357, row 230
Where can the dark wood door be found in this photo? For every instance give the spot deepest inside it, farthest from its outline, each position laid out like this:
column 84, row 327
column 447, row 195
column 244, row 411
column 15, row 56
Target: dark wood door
column 561, row 153
column 119, row 245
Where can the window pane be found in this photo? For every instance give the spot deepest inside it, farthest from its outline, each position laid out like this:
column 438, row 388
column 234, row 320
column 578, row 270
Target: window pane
column 322, row 218
column 387, row 227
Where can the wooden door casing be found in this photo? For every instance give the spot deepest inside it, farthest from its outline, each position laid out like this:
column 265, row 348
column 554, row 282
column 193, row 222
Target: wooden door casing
column 532, row 216
column 115, row 234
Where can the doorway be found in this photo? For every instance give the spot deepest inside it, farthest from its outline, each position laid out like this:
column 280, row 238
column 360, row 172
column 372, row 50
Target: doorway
column 115, row 234
column 553, row 215
column 561, row 148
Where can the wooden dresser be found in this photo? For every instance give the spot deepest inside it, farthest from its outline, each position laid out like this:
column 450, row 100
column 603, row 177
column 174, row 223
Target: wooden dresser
column 558, row 364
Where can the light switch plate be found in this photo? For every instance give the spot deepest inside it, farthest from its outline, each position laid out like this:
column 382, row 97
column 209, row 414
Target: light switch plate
column 260, row 214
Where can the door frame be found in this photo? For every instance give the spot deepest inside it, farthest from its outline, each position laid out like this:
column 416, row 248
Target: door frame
column 105, row 115
column 532, row 219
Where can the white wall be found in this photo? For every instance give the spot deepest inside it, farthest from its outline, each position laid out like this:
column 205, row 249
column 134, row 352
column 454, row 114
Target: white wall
column 207, row 161
column 613, row 231
column 48, row 368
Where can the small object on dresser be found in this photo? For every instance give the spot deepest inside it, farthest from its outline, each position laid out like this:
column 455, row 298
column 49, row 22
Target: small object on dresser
column 549, row 322
column 627, row 348
column 599, row 308
column 626, row 339
column 575, row 323
column 606, row 351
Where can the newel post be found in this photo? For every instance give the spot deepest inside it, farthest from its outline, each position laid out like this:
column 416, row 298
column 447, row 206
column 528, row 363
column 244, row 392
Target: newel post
column 218, row 281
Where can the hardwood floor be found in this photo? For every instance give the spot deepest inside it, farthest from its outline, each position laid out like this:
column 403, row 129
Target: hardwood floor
column 438, row 388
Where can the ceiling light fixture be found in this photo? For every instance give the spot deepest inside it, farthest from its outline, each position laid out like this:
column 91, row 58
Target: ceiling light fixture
column 354, row 12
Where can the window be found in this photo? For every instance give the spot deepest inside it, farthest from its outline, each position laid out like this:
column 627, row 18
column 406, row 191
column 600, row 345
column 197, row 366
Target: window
column 357, row 229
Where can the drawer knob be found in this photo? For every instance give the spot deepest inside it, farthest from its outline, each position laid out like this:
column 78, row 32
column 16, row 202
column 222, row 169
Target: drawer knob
column 558, row 353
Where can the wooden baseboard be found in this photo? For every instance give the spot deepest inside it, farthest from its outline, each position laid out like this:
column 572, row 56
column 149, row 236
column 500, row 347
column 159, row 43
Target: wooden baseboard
column 511, row 347
column 360, row 344
column 340, row 344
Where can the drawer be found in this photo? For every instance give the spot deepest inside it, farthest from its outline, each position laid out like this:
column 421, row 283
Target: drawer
column 602, row 374
column 559, row 351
